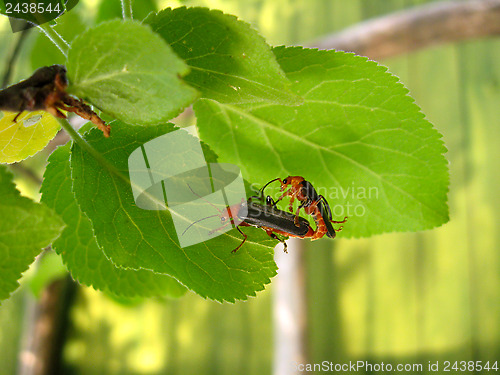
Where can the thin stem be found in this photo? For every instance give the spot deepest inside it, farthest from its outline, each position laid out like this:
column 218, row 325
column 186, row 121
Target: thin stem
column 56, row 38
column 77, row 138
column 127, row 9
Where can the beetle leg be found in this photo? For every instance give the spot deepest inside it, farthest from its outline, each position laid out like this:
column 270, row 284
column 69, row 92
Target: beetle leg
column 21, row 108
column 290, row 204
column 339, row 222
column 222, row 227
column 271, row 234
column 283, row 195
column 296, row 218
column 242, row 242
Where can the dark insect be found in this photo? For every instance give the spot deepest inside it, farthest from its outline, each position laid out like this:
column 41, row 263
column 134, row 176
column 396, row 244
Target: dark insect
column 312, row 203
column 46, row 90
column 269, row 218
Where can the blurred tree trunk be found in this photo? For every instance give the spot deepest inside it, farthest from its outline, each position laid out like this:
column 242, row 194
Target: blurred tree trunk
column 45, row 329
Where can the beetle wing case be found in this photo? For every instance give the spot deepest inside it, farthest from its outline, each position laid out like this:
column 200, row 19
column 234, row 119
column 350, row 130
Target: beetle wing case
column 330, row 231
column 269, row 216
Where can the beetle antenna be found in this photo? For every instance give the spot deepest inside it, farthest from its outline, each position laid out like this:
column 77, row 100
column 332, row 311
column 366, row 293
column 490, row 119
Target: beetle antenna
column 210, row 203
column 276, row 179
column 203, row 218
column 261, row 191
column 197, row 221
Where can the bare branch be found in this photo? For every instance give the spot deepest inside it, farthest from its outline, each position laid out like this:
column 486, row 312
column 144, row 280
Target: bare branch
column 417, row 28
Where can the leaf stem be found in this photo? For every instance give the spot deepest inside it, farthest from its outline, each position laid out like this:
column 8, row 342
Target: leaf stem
column 127, row 9
column 56, row 38
column 77, row 138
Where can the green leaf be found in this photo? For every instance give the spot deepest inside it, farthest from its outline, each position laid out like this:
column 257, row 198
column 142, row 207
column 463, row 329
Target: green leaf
column 26, row 228
column 128, row 72
column 229, row 61
column 24, row 138
column 135, row 238
column 78, row 248
column 358, row 137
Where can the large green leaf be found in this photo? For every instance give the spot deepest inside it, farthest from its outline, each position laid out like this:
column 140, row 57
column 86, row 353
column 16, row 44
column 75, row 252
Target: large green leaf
column 358, row 137
column 136, row 238
column 26, row 228
column 128, row 72
column 229, row 61
column 78, row 248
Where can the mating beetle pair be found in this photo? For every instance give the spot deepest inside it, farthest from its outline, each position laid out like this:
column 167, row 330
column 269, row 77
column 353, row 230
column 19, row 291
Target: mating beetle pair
column 312, row 203
column 262, row 212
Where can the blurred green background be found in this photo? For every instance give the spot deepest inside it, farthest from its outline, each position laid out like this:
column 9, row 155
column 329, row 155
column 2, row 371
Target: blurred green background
column 399, row 298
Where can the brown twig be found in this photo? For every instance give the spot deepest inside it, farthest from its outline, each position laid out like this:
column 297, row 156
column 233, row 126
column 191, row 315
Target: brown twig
column 418, row 28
